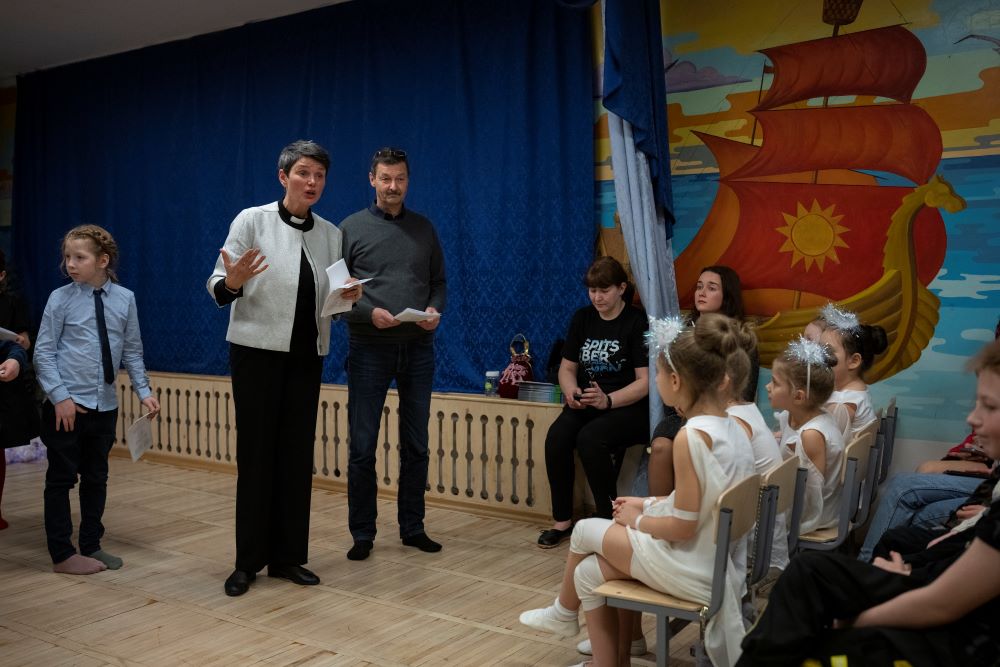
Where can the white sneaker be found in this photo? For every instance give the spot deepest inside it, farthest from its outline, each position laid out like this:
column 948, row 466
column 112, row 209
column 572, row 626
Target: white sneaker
column 546, row 621
column 638, row 647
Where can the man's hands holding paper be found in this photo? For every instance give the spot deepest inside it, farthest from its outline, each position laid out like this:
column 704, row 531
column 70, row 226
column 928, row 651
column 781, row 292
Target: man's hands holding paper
column 425, row 319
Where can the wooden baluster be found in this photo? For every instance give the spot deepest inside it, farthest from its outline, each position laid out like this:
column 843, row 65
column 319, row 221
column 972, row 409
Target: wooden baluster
column 513, row 460
column 530, row 463
column 498, row 459
column 218, row 434
column 468, row 455
column 336, row 439
column 454, row 453
column 197, row 425
column 187, row 421
column 159, row 421
column 485, row 458
column 386, row 447
column 325, row 440
column 228, row 427
column 440, row 454
column 166, row 409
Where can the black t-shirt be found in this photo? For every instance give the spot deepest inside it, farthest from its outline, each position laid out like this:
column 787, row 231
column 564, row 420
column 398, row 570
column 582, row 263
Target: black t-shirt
column 607, row 351
column 977, row 636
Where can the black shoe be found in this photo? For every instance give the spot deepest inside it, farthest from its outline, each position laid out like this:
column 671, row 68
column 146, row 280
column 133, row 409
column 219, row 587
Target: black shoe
column 553, row 536
column 294, row 573
column 238, row 583
column 360, row 550
column 422, row 542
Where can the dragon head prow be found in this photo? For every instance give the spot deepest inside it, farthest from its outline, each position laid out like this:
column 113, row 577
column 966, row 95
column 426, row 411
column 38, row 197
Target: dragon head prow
column 938, row 193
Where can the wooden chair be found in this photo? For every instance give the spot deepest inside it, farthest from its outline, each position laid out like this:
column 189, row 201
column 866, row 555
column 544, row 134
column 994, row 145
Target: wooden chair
column 782, row 481
column 778, row 488
column 888, row 428
column 735, row 513
column 869, row 486
column 857, row 457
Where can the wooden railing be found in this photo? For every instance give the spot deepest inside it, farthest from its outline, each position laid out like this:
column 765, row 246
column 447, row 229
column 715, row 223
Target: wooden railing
column 486, row 454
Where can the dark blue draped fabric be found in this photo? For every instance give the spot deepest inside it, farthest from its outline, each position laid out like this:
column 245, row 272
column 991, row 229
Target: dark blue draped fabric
column 163, row 146
column 634, row 85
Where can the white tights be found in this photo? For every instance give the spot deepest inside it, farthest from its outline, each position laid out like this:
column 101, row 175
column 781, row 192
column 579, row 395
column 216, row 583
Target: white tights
column 588, row 538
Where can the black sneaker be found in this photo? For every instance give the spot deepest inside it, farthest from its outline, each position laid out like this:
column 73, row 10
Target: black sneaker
column 553, row 536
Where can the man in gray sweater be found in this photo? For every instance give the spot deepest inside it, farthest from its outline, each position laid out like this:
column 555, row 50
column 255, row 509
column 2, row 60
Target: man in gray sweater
column 399, row 250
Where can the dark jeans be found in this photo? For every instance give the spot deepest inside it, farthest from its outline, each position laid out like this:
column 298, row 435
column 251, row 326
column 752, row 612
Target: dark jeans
column 596, row 436
column 371, row 368
column 819, row 587
column 82, row 452
column 275, row 395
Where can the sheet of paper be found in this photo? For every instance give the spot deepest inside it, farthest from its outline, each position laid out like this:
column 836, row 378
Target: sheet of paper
column 7, row 335
column 414, row 315
column 338, row 276
column 140, row 437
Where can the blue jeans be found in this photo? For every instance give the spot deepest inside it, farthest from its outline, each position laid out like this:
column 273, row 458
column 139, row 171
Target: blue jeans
column 371, row 369
column 916, row 499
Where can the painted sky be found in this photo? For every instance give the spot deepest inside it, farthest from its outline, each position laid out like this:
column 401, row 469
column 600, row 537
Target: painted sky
column 714, row 71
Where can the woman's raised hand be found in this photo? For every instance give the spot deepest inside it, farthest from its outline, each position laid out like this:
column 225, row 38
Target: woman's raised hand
column 243, row 269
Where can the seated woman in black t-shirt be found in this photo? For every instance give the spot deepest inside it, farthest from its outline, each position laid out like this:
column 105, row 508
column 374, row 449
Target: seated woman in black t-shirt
column 604, row 377
column 940, row 609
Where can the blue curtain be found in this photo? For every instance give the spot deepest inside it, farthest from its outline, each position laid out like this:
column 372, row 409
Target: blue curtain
column 635, row 87
column 164, row 145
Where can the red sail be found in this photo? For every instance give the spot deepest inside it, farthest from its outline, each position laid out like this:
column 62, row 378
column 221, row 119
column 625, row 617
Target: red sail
column 730, row 155
column 885, row 62
column 898, row 138
column 823, row 239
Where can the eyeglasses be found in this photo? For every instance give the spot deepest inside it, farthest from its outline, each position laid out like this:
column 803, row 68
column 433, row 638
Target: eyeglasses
column 390, row 153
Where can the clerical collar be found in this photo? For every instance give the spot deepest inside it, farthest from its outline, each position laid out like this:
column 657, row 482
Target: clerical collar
column 303, row 225
column 385, row 215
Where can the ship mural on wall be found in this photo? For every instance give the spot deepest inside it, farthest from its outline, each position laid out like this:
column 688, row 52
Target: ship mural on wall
column 800, row 221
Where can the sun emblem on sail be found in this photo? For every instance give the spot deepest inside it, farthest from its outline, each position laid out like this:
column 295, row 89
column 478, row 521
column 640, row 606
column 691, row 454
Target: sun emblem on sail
column 813, row 235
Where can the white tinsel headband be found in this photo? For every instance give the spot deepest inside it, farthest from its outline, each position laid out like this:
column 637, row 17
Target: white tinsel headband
column 808, row 352
column 844, row 320
column 661, row 335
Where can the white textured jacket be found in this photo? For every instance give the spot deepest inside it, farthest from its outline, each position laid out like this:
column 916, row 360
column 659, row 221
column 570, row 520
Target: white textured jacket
column 264, row 315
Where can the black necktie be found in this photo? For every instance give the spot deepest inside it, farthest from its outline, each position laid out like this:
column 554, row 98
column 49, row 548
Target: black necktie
column 102, row 333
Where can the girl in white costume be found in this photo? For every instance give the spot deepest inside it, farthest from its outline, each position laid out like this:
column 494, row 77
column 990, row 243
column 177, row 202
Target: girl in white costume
column 668, row 543
column 855, row 346
column 766, row 455
column 801, row 382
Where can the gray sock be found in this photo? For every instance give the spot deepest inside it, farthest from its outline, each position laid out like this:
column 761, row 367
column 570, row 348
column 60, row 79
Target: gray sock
column 113, row 562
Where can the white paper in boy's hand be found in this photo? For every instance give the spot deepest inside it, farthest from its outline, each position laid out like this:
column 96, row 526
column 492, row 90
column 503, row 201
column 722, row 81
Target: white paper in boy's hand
column 7, row 335
column 414, row 315
column 338, row 275
column 140, row 436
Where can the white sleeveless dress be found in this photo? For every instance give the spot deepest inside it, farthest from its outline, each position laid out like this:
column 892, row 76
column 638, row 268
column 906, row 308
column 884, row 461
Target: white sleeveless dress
column 766, row 455
column 684, row 569
column 823, row 488
column 864, row 413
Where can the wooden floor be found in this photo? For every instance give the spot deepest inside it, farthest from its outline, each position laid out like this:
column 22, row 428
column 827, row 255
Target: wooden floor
column 174, row 529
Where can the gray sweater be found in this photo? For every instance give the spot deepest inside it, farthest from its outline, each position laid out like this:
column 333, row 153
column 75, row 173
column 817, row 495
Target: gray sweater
column 404, row 260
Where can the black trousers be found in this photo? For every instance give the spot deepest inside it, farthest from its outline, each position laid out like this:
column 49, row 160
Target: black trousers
column 819, row 587
column 596, row 436
column 275, row 395
column 81, row 453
